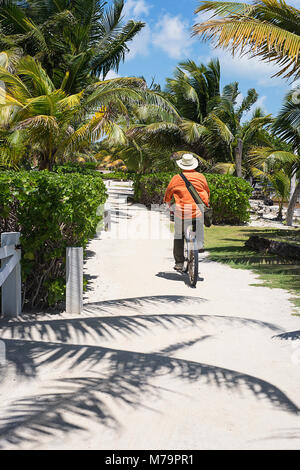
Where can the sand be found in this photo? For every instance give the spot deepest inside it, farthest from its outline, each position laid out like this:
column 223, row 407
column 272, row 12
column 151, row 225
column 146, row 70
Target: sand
column 153, row 363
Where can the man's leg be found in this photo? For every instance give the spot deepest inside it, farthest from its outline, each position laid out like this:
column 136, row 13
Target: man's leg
column 178, row 241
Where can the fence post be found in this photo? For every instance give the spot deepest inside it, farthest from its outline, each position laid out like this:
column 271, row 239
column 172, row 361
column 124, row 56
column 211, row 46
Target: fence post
column 11, row 290
column 74, row 290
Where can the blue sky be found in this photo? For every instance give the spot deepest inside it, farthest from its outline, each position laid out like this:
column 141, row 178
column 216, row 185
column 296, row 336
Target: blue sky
column 166, row 40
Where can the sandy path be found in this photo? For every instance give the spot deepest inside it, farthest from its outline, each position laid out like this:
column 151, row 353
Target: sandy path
column 152, row 363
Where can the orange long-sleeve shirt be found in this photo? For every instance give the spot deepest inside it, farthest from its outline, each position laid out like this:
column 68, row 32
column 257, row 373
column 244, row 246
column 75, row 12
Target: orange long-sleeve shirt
column 185, row 204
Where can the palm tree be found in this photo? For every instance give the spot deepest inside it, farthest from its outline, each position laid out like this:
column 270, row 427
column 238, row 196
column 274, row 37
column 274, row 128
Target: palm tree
column 273, row 167
column 193, row 91
column 268, row 29
column 12, row 144
column 287, row 128
column 224, row 124
column 54, row 124
column 76, row 41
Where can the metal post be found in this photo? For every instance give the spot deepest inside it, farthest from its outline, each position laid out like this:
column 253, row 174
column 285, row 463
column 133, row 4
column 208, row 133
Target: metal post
column 74, row 291
column 11, row 289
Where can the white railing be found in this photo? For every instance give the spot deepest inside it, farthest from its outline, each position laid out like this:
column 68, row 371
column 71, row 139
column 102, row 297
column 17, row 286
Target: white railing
column 10, row 274
column 10, row 277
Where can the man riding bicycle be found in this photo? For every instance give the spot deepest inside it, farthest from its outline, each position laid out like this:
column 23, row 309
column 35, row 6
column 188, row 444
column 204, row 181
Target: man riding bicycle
column 187, row 213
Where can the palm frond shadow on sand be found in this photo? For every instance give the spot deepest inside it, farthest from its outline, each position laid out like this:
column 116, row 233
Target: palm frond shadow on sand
column 94, row 326
column 289, row 335
column 123, row 376
column 97, row 375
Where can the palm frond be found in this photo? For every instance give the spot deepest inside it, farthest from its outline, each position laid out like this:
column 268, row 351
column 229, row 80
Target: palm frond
column 193, row 131
column 221, row 8
column 224, row 168
column 221, row 128
column 109, row 52
column 247, row 103
column 266, row 155
column 268, row 29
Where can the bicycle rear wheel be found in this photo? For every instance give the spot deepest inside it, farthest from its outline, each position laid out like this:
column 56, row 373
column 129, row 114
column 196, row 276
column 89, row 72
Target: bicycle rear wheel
column 193, row 265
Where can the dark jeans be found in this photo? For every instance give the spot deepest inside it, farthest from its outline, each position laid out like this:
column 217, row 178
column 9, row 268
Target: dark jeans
column 180, row 227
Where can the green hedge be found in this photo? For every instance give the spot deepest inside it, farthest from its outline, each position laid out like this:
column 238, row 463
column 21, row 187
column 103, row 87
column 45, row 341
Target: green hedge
column 229, row 199
column 82, row 169
column 229, row 195
column 87, row 169
column 52, row 212
column 119, row 176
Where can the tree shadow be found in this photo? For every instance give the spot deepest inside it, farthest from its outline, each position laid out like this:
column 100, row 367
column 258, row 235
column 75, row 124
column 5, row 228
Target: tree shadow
column 284, row 434
column 290, row 335
column 125, row 379
column 102, row 375
column 138, row 303
column 275, row 233
column 283, row 273
column 109, row 327
column 187, row 344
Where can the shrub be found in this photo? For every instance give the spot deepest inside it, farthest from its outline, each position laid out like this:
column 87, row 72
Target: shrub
column 119, row 176
column 229, row 195
column 229, row 199
column 52, row 211
column 88, row 169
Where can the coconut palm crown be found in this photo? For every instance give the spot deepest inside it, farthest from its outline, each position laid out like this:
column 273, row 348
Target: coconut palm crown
column 269, row 29
column 76, row 41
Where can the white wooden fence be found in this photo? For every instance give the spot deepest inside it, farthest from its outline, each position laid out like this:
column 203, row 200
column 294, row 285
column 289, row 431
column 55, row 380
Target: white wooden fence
column 10, row 274
column 10, row 277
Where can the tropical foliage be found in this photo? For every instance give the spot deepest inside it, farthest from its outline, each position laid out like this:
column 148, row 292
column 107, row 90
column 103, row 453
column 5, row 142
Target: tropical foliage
column 225, row 127
column 210, row 124
column 192, row 91
column 229, row 195
column 76, row 41
column 269, row 29
column 282, row 158
column 52, row 212
column 55, row 125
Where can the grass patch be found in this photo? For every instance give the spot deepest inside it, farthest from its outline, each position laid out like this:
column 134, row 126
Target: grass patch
column 226, row 245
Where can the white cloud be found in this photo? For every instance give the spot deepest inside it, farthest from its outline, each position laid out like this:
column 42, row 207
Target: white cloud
column 140, row 44
column 173, row 35
column 254, row 69
column 134, row 9
column 239, row 99
column 111, row 75
column 261, row 103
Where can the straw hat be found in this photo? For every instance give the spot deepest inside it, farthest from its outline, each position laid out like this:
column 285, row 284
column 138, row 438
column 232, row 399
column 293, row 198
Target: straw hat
column 187, row 162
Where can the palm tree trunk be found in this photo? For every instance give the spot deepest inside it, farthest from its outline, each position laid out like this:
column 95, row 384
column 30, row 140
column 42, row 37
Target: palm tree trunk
column 292, row 204
column 293, row 182
column 44, row 162
column 238, row 158
column 279, row 215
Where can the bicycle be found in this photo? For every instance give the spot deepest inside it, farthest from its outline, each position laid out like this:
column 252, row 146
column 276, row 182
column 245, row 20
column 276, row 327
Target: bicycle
column 191, row 263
